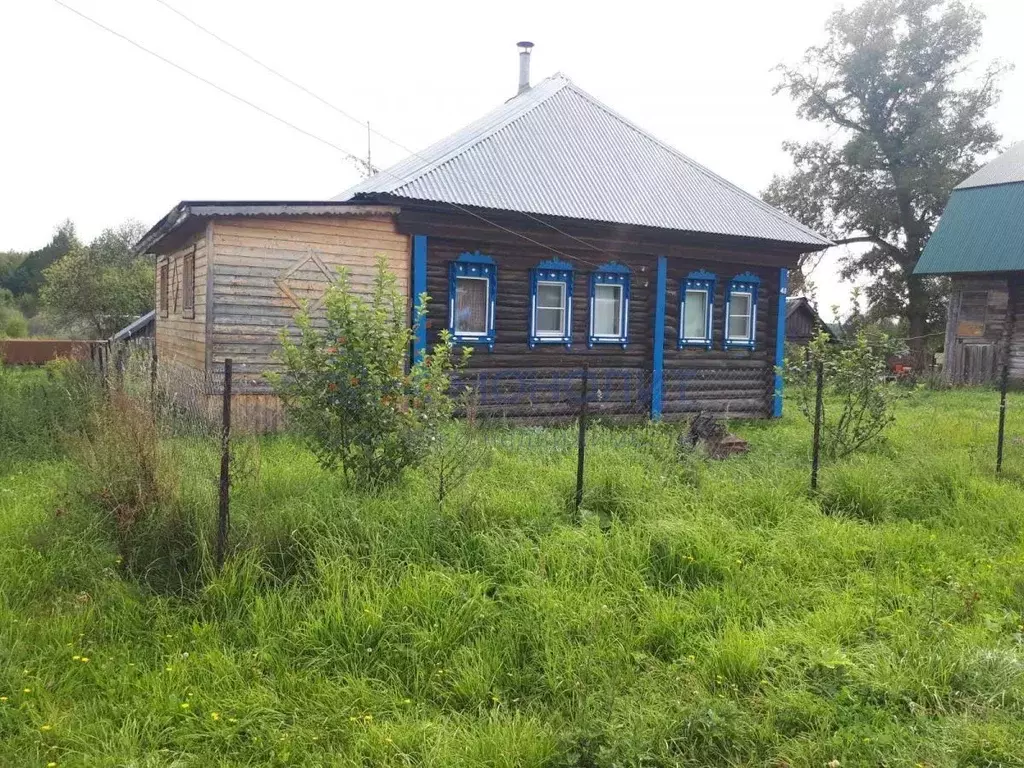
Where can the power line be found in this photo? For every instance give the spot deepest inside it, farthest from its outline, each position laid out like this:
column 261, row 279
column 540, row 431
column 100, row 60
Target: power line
column 295, row 127
column 349, row 116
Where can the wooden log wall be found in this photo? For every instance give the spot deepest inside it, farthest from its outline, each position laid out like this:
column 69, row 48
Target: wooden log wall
column 542, row 384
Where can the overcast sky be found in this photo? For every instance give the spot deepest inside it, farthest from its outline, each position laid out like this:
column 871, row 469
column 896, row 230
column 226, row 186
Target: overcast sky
column 95, row 130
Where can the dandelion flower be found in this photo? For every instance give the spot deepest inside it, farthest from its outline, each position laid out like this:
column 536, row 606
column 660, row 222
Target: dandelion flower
column 215, row 715
column 26, row 690
column 3, row 699
column 76, row 658
column 45, row 727
column 185, row 705
column 51, row 765
column 85, row 659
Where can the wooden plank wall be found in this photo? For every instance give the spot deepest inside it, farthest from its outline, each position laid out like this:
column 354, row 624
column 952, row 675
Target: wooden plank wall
column 975, row 327
column 180, row 336
column 253, row 256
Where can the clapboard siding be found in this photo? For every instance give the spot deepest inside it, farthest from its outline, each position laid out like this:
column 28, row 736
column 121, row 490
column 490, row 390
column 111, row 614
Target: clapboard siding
column 252, row 258
column 181, row 336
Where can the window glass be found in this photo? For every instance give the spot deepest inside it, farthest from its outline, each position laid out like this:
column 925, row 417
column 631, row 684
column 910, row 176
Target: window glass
column 739, row 316
column 550, row 309
column 471, row 305
column 695, row 315
column 608, row 310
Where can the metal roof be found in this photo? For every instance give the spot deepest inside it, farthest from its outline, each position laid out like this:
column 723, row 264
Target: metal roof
column 1005, row 169
column 199, row 209
column 981, row 230
column 556, row 150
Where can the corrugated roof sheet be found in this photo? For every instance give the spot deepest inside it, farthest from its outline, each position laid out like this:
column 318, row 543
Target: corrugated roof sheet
column 1005, row 169
column 981, row 230
column 555, row 150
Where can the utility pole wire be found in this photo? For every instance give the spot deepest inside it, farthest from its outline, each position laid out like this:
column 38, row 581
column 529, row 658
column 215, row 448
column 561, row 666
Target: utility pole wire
column 369, row 131
column 295, row 127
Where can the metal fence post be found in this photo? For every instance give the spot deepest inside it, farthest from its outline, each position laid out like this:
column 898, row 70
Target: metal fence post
column 819, row 385
column 581, row 449
column 1004, row 378
column 225, row 469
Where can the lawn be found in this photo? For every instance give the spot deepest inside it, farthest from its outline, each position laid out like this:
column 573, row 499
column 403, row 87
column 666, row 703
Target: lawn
column 700, row 613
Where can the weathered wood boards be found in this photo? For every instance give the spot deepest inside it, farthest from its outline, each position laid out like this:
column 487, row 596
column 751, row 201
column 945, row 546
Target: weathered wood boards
column 979, row 330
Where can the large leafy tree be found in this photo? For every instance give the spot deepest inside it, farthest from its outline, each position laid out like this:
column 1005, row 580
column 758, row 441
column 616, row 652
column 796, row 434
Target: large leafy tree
column 101, row 287
column 907, row 121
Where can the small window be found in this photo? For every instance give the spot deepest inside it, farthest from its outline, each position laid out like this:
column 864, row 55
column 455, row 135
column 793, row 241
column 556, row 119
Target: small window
column 551, row 303
column 472, row 284
column 696, row 302
column 609, row 305
column 188, row 284
column 741, row 311
column 163, row 290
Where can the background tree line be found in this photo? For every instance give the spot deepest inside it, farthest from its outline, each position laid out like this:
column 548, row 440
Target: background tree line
column 905, row 112
column 68, row 288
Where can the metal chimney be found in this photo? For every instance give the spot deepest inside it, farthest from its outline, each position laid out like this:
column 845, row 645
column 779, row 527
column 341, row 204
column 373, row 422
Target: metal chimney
column 524, row 66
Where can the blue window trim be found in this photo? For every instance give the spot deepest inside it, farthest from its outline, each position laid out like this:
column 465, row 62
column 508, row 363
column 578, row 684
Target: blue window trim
column 476, row 265
column 553, row 271
column 611, row 273
column 744, row 283
column 701, row 280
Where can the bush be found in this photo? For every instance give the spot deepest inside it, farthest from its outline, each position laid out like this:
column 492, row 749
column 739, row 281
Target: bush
column 348, row 390
column 38, row 407
column 858, row 398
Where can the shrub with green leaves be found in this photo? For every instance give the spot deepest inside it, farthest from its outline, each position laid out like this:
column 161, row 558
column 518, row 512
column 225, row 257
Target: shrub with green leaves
column 858, row 397
column 348, row 388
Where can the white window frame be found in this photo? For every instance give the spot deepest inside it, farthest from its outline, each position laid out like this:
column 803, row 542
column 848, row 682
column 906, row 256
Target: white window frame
column 750, row 316
column 621, row 301
column 706, row 336
column 487, row 308
column 562, row 332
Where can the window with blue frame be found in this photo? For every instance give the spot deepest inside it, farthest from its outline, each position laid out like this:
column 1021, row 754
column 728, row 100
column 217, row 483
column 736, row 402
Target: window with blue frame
column 741, row 311
column 551, row 303
column 472, row 286
column 696, row 307
column 609, row 305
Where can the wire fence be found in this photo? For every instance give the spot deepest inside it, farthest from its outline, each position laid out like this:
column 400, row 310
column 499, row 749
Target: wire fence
column 581, row 413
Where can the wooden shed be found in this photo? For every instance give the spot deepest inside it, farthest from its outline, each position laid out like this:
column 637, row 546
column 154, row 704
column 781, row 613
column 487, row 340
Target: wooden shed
column 803, row 322
column 548, row 234
column 979, row 244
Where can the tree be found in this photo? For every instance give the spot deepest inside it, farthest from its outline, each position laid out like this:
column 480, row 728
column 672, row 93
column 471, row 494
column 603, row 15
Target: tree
column 904, row 130
column 103, row 286
column 26, row 278
column 12, row 322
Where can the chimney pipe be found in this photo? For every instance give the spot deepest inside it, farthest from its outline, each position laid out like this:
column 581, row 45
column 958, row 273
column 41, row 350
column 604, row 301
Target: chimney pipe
column 524, row 66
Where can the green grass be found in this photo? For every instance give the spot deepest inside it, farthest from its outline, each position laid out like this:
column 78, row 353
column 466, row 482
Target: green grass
column 699, row 614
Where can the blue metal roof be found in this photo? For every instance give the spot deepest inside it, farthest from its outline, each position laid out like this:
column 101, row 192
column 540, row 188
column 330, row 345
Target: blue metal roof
column 981, row 230
column 556, row 150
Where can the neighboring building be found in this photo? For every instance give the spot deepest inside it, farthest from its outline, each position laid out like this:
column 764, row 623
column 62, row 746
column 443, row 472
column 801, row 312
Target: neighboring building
column 979, row 244
column 549, row 234
column 803, row 322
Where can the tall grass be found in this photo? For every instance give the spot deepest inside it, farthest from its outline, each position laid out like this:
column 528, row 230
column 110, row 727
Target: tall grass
column 700, row 613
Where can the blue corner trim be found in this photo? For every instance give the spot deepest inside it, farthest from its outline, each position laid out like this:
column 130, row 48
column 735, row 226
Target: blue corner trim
column 780, row 342
column 419, row 290
column 658, row 372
